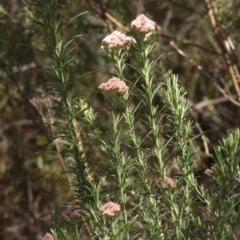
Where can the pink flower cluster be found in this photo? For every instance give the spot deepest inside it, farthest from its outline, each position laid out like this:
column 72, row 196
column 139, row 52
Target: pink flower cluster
column 210, row 172
column 168, row 182
column 114, row 84
column 143, row 24
column 70, row 213
column 117, row 40
column 110, row 208
column 48, row 236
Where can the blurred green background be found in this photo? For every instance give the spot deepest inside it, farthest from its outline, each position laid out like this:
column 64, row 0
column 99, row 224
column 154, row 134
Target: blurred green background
column 200, row 40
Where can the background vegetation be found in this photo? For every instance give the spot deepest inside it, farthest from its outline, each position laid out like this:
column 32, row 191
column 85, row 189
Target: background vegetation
column 200, row 40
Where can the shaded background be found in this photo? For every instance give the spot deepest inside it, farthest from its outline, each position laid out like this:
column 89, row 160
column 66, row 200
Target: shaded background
column 200, row 40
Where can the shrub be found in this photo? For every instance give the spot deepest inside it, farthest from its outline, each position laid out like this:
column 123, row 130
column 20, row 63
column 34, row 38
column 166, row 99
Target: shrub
column 145, row 183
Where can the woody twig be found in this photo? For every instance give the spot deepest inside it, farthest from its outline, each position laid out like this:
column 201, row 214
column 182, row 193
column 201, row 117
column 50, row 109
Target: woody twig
column 226, row 45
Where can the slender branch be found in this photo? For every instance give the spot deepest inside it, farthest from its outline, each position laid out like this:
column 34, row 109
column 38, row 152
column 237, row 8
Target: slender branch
column 39, row 103
column 225, row 44
column 204, row 138
column 230, row 98
column 206, row 103
column 111, row 18
column 188, row 42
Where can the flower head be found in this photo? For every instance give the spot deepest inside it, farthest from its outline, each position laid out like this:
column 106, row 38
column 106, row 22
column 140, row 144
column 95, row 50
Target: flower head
column 208, row 172
column 110, row 208
column 114, row 84
column 117, row 40
column 168, row 182
column 48, row 236
column 143, row 24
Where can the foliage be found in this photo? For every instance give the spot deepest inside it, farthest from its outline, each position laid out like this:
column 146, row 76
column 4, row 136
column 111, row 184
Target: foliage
column 153, row 150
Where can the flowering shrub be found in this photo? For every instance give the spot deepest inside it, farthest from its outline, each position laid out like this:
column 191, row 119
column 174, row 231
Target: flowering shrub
column 153, row 171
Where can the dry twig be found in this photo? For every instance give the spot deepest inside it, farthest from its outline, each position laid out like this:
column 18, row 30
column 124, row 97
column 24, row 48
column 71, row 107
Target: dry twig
column 225, row 43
